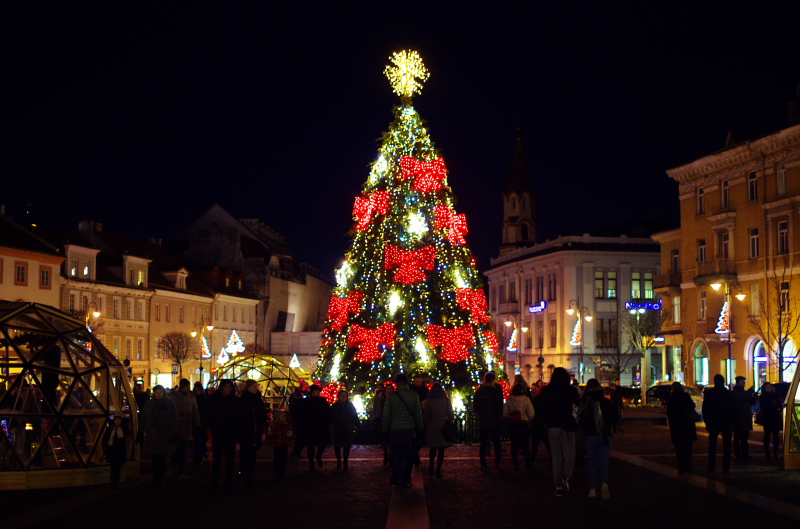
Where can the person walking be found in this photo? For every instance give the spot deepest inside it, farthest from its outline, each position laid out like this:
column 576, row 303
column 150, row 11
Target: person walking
column 344, row 420
column 158, row 431
column 316, row 424
column 597, row 417
column 560, row 407
column 252, row 437
column 225, row 419
column 436, row 413
column 296, row 420
column 681, row 415
column 188, row 422
column 538, row 427
column 771, row 419
column 402, row 417
column 385, row 436
column 518, row 411
column 743, row 422
column 488, row 405
column 199, row 435
column 115, row 447
column 280, row 433
column 619, row 404
column 421, row 390
column 719, row 413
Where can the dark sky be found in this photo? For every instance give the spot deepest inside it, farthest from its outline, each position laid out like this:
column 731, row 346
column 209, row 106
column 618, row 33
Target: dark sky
column 143, row 119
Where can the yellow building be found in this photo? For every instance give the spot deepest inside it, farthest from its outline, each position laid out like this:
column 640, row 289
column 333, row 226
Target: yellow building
column 731, row 283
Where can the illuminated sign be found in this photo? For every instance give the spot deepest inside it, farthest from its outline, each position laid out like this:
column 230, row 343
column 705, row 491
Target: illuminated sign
column 534, row 309
column 659, row 339
column 652, row 305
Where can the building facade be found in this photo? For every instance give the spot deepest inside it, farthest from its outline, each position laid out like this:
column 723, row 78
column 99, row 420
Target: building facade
column 731, row 271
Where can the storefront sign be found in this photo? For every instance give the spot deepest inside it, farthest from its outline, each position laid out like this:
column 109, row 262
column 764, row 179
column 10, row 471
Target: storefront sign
column 535, row 309
column 653, row 305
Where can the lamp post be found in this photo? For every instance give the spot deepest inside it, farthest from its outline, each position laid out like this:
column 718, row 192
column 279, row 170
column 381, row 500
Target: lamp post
column 95, row 313
column 205, row 323
column 573, row 306
column 524, row 329
column 731, row 372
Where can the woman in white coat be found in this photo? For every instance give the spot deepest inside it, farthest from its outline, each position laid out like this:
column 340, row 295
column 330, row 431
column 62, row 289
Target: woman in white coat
column 518, row 412
column 437, row 410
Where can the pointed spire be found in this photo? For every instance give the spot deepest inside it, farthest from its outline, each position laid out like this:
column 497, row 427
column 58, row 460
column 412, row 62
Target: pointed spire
column 519, row 175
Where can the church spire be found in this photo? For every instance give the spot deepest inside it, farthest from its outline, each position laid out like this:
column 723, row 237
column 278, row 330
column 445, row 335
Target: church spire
column 519, row 203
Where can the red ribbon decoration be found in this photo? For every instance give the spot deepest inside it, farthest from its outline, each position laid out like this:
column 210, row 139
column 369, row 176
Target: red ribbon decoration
column 366, row 206
column 454, row 342
column 411, row 264
column 475, row 302
column 457, row 224
column 429, row 176
column 331, row 391
column 491, row 341
column 340, row 307
column 369, row 341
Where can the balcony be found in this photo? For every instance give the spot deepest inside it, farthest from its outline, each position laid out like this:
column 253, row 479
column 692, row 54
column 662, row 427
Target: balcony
column 715, row 271
column 508, row 307
column 669, row 281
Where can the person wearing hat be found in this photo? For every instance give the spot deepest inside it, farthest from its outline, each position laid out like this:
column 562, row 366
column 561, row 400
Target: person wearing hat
column 719, row 413
column 316, row 425
column 254, row 420
column 158, row 431
column 188, row 421
column 115, row 446
column 225, row 418
column 744, row 418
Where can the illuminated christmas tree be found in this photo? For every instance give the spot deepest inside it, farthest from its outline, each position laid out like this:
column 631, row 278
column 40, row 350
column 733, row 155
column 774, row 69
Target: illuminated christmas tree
column 408, row 296
column 724, row 322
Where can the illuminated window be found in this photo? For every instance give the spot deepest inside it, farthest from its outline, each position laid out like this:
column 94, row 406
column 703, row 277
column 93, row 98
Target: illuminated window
column 599, row 284
column 73, row 267
column 612, row 285
column 141, row 278
column 784, row 298
column 636, row 285
column 86, row 269
column 648, row 285
column 676, row 309
column 139, row 348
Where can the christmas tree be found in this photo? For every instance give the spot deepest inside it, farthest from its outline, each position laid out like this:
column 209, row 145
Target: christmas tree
column 408, row 296
column 723, row 324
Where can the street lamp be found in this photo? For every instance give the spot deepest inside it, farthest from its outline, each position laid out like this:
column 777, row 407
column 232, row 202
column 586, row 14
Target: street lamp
column 728, row 309
column 520, row 340
column 205, row 323
column 573, row 307
column 95, row 314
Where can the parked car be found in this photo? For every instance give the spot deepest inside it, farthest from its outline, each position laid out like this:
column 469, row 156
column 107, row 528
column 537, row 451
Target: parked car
column 658, row 395
column 630, row 396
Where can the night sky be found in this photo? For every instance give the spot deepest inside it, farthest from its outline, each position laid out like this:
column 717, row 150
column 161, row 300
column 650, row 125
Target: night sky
column 143, row 119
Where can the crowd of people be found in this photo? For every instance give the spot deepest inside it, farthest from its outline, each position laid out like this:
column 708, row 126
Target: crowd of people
column 572, row 422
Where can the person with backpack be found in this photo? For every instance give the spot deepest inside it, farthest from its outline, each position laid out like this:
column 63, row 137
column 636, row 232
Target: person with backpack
column 518, row 412
column 559, row 402
column 402, row 416
column 597, row 417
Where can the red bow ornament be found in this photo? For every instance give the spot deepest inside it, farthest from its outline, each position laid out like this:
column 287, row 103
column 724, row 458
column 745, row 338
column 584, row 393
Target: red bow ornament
column 491, row 341
column 429, row 176
column 340, row 308
column 456, row 224
column 370, row 340
column 475, row 302
column 411, row 264
column 365, row 207
column 454, row 342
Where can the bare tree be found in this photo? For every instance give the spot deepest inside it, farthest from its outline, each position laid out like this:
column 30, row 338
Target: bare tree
column 615, row 351
column 178, row 347
column 641, row 328
column 778, row 314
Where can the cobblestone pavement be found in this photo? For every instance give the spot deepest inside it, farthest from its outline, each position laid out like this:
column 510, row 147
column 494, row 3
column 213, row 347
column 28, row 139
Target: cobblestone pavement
column 645, row 489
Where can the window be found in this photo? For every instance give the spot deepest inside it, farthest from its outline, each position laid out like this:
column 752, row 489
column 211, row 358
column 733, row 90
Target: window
column 512, row 293
column 216, row 312
column 224, row 313
column 73, row 267
column 726, row 194
column 648, row 285
column 676, row 310
column 227, row 281
column 784, row 300
column 180, row 314
column 752, row 187
column 725, row 238
column 240, row 284
column 612, row 285
column 250, row 312
column 85, row 303
column 129, row 310
column 701, row 250
column 755, row 301
column 780, row 176
column 783, row 237
column 100, row 303
column 753, row 243
column 156, row 347
column 528, row 291
column 525, row 204
column 241, row 309
column 606, row 333
column 157, row 312
column 553, row 333
column 539, row 288
column 86, row 269
column 599, row 284
column 116, row 308
column 701, row 201
column 181, row 282
column 117, row 345
column 513, row 203
column 21, row 273
column 140, row 348
column 233, row 314
column 636, row 285
column 141, row 278
column 128, row 347
column 703, row 305
column 140, row 310
column 72, row 298
column 540, row 334
column 551, row 287
column 44, row 277
column 166, row 313
column 130, row 276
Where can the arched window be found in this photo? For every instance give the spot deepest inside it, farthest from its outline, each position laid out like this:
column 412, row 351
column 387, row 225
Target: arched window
column 524, row 203
column 789, row 360
column 701, row 364
column 513, row 203
column 760, row 363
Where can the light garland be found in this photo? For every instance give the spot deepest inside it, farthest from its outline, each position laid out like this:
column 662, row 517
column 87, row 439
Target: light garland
column 205, row 352
column 235, row 344
column 512, row 344
column 294, row 363
column 422, row 351
column 576, row 334
column 416, row 225
column 395, row 302
column 724, row 322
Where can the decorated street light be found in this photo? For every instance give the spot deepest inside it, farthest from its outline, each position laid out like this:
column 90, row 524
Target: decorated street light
column 574, row 307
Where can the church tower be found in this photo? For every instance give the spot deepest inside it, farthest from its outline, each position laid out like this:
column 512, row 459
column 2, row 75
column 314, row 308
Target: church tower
column 519, row 205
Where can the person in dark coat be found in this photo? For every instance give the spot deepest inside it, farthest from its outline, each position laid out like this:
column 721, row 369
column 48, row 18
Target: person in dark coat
column 559, row 406
column 158, row 430
column 682, row 428
column 402, row 419
column 253, row 423
column 421, row 390
column 225, row 419
column 743, row 422
column 436, row 413
column 719, row 413
column 199, row 435
column 538, row 427
column 597, row 416
column 316, row 425
column 488, row 405
column 771, row 419
column 296, row 420
column 344, row 420
column 188, row 423
column 141, row 397
column 115, row 446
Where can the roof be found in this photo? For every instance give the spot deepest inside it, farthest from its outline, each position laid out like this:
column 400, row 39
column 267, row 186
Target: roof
column 634, row 228
column 519, row 175
column 13, row 235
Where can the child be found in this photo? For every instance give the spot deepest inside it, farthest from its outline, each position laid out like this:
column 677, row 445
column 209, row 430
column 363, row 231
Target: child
column 115, row 447
column 280, row 433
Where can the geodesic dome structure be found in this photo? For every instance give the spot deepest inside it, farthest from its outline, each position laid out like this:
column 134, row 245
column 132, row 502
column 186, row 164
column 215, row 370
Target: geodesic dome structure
column 58, row 388
column 278, row 381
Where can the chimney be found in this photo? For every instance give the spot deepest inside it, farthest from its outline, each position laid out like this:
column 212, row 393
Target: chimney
column 793, row 107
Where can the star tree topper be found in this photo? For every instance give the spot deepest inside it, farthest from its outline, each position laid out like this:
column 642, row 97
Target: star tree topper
column 403, row 75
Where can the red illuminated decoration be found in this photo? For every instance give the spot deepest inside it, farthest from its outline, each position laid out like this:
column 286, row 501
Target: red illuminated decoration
column 330, row 391
column 454, row 342
column 366, row 206
column 491, row 341
column 506, row 390
column 340, row 308
column 475, row 302
column 428, row 176
column 455, row 224
column 370, row 340
column 411, row 264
